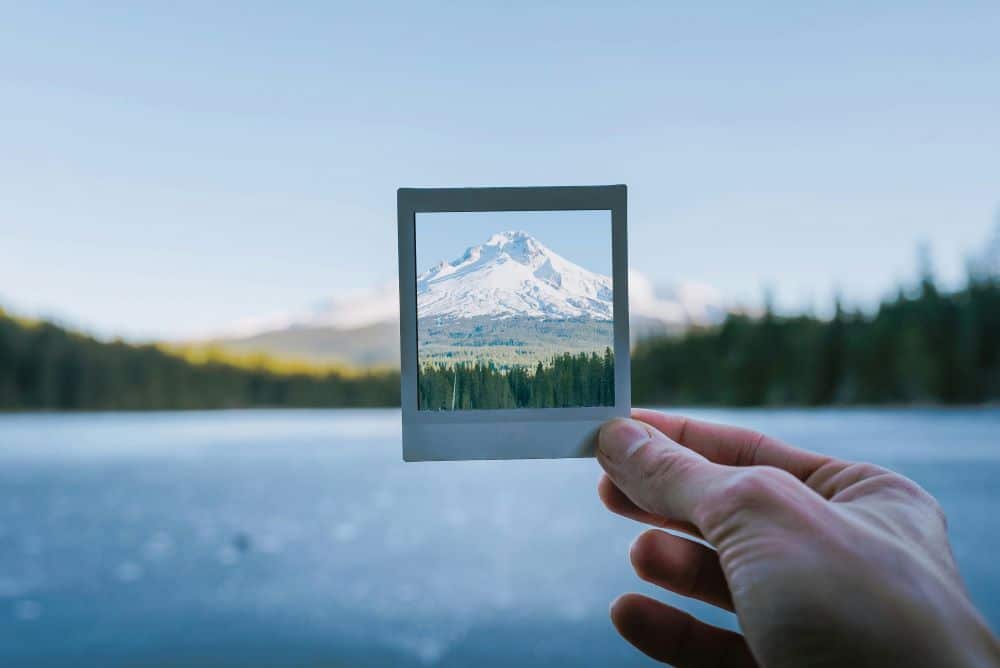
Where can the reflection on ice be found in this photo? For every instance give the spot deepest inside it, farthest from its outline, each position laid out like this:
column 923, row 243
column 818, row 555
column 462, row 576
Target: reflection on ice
column 428, row 650
column 128, row 571
column 227, row 555
column 159, row 546
column 382, row 500
column 27, row 610
column 345, row 532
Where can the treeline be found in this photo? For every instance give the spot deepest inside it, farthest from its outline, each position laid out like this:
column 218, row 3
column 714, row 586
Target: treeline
column 45, row 367
column 566, row 380
column 926, row 347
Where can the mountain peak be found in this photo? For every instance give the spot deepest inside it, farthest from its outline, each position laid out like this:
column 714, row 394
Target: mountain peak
column 517, row 244
column 510, row 236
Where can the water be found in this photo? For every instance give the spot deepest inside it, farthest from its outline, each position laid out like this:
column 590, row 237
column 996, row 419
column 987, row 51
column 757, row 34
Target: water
column 258, row 538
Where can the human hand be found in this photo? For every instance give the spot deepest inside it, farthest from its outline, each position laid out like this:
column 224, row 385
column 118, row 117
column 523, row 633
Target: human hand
column 825, row 562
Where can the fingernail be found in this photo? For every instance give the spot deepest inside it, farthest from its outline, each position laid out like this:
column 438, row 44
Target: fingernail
column 619, row 439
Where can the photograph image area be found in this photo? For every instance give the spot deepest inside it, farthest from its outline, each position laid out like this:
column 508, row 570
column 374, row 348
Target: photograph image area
column 514, row 310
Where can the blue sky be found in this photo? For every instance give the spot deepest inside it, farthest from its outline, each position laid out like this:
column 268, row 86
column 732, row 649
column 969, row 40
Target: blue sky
column 170, row 170
column 582, row 237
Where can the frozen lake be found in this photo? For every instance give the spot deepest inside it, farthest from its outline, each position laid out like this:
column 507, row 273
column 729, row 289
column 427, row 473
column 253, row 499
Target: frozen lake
column 257, row 538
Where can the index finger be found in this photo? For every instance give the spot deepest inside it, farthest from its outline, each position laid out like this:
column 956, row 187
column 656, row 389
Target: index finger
column 733, row 446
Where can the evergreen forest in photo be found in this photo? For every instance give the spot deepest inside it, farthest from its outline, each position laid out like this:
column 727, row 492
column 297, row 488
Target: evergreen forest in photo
column 567, row 380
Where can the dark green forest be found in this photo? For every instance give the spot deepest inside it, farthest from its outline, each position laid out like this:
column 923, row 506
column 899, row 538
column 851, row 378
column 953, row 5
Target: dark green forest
column 921, row 346
column 45, row 367
column 566, row 380
column 925, row 347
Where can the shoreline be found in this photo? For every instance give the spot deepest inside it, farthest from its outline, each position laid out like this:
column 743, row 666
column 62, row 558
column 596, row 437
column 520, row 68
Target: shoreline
column 937, row 407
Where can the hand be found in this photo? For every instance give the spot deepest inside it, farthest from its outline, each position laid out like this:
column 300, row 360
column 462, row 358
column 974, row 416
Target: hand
column 825, row 562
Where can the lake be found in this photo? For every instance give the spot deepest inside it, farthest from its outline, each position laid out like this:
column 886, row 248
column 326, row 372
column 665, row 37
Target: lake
column 267, row 538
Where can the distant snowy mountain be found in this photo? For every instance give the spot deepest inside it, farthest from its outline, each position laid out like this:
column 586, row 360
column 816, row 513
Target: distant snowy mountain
column 656, row 310
column 513, row 274
column 351, row 310
column 362, row 326
column 991, row 256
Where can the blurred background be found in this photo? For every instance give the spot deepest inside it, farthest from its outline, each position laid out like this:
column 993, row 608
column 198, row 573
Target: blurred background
column 197, row 211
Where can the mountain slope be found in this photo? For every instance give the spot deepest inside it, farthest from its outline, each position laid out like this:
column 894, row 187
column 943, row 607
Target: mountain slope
column 512, row 301
column 371, row 345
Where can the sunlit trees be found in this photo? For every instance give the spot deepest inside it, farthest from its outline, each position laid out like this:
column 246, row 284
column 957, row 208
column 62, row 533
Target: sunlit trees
column 45, row 367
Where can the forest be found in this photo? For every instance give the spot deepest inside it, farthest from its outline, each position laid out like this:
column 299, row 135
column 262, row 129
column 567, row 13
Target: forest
column 922, row 346
column 566, row 380
column 45, row 367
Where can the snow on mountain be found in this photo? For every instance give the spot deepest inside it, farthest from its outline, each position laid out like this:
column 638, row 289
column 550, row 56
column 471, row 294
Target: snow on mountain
column 653, row 310
column 991, row 256
column 347, row 311
column 513, row 274
column 657, row 310
column 358, row 308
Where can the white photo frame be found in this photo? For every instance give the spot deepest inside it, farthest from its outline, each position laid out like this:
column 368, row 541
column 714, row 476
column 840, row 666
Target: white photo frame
column 518, row 433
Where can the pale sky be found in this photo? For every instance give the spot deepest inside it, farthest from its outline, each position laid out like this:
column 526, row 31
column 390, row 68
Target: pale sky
column 173, row 169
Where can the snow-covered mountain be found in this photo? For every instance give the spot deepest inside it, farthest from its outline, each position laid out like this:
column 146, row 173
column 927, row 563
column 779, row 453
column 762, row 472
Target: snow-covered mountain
column 652, row 308
column 351, row 310
column 513, row 274
column 655, row 310
column 362, row 326
column 991, row 256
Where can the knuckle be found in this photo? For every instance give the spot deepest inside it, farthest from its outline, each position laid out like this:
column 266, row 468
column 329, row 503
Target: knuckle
column 935, row 507
column 915, row 492
column 682, row 430
column 663, row 466
column 869, row 470
column 755, row 484
column 748, row 487
column 892, row 480
column 660, row 474
column 746, row 453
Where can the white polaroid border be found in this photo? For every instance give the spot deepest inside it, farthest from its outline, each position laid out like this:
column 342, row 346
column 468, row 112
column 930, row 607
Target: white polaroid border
column 520, row 433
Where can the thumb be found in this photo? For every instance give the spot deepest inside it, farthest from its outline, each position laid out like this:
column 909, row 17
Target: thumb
column 657, row 474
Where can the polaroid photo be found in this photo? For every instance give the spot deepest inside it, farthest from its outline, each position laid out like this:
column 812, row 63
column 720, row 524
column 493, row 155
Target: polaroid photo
column 513, row 320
